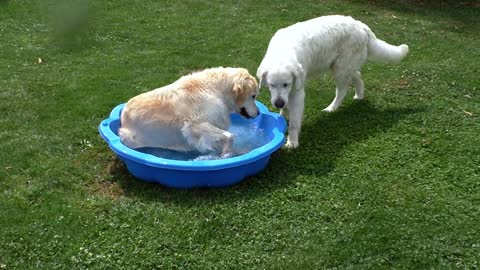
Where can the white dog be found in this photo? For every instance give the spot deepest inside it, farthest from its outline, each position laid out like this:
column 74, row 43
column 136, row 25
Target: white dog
column 303, row 50
column 191, row 113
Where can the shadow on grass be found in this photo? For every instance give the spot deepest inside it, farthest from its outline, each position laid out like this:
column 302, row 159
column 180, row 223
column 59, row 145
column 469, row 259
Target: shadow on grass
column 453, row 9
column 322, row 142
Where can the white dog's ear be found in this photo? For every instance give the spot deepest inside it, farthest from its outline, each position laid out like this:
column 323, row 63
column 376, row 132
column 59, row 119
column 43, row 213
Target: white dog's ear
column 262, row 78
column 298, row 76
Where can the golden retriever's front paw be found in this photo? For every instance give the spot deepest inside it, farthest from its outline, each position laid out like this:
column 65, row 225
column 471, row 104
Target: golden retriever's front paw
column 291, row 144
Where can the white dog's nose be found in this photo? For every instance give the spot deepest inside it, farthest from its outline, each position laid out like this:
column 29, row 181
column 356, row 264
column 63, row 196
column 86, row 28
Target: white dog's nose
column 279, row 103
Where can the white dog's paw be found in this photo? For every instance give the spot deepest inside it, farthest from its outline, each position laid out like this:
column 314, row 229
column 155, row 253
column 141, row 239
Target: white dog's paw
column 329, row 109
column 358, row 97
column 291, row 144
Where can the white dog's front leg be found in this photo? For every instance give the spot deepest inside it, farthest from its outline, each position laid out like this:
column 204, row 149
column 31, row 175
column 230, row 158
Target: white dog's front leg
column 295, row 107
column 284, row 113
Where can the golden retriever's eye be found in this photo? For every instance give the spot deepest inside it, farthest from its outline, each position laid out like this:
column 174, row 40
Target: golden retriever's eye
column 285, row 84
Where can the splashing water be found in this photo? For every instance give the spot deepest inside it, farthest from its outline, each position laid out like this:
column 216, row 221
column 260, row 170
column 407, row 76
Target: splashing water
column 246, row 137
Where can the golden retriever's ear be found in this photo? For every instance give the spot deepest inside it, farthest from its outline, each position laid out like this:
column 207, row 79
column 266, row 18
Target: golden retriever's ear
column 239, row 91
column 243, row 86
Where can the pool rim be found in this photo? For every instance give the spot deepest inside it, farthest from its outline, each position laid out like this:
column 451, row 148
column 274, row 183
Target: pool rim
column 123, row 151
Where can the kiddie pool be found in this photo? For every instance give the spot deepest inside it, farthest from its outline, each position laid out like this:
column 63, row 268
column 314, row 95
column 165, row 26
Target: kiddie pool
column 203, row 173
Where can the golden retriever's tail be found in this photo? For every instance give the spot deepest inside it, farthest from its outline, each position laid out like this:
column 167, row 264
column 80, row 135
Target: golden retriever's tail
column 381, row 51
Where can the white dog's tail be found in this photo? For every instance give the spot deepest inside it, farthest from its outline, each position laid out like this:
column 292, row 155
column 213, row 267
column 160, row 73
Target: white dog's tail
column 381, row 51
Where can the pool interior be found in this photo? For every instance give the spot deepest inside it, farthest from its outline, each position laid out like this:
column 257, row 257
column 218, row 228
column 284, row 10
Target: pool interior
column 249, row 134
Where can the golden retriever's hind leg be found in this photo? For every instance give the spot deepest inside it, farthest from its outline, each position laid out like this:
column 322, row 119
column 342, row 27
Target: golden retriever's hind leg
column 127, row 137
column 206, row 138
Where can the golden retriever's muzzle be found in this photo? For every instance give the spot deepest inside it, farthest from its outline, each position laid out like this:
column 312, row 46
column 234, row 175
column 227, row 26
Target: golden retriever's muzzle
column 244, row 113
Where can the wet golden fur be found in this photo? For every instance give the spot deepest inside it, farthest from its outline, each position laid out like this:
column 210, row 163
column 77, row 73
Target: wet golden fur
column 190, row 114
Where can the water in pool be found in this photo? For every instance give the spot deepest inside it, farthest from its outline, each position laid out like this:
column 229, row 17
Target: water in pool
column 246, row 137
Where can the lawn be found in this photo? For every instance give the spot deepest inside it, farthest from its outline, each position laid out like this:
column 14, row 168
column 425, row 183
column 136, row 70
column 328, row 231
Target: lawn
column 391, row 182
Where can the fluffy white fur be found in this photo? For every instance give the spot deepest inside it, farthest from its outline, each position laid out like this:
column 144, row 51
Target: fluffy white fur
column 191, row 113
column 333, row 43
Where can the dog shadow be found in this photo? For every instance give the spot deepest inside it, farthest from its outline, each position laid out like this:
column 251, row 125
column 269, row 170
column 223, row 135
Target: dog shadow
column 432, row 9
column 322, row 141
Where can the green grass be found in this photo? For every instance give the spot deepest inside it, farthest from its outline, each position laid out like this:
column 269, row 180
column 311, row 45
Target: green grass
column 392, row 182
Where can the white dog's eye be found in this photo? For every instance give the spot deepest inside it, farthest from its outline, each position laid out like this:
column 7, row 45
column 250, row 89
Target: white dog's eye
column 254, row 96
column 285, row 84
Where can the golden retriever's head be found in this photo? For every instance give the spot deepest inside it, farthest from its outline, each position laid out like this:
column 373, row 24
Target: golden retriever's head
column 245, row 90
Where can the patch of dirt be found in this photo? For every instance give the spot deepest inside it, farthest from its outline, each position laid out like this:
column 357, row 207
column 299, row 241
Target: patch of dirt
column 108, row 185
column 109, row 189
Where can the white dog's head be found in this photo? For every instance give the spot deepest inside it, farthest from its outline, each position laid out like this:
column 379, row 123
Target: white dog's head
column 245, row 90
column 281, row 80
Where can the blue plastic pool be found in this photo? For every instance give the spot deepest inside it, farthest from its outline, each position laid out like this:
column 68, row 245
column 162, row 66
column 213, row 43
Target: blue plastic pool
column 200, row 173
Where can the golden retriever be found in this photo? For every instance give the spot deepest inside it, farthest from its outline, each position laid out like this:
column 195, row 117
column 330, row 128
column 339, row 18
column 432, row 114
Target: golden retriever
column 191, row 114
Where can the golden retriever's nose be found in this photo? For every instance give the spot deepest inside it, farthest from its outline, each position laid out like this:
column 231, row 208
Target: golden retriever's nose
column 279, row 103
